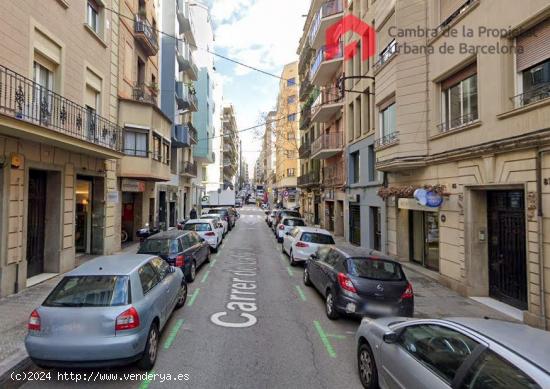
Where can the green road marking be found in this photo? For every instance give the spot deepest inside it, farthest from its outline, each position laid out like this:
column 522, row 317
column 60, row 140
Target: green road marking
column 213, row 262
column 283, row 258
column 335, row 336
column 205, row 277
column 301, row 293
column 324, row 339
column 194, row 297
column 146, row 382
column 290, row 272
column 173, row 333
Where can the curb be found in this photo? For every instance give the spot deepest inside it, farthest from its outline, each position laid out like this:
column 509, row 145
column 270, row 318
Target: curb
column 18, row 363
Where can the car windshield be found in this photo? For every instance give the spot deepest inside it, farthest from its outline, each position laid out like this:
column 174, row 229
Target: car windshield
column 294, row 222
column 290, row 213
column 159, row 246
column 197, row 227
column 315, row 237
column 90, row 291
column 376, row 269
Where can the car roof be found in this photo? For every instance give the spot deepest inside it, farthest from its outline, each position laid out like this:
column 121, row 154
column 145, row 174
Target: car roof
column 360, row 252
column 528, row 342
column 171, row 234
column 314, row 229
column 122, row 264
column 196, row 221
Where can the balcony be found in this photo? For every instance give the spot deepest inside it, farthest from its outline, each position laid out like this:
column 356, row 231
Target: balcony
column 309, row 179
column 327, row 63
column 385, row 56
column 387, row 140
column 534, row 95
column 193, row 133
column 327, row 145
column 186, row 63
column 146, row 35
column 305, row 117
column 304, row 151
column 457, row 123
column 183, row 135
column 186, row 26
column 328, row 104
column 333, row 175
column 329, row 13
column 29, row 111
column 454, row 16
column 305, row 88
column 188, row 169
column 144, row 94
column 185, row 99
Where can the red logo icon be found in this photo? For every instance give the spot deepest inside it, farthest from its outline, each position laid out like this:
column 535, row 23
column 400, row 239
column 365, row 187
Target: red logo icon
column 334, row 34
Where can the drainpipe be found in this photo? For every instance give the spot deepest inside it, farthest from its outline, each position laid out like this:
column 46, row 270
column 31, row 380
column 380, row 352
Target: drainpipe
column 540, row 215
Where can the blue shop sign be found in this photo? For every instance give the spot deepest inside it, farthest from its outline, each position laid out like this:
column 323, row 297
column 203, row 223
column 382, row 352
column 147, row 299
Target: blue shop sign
column 428, row 198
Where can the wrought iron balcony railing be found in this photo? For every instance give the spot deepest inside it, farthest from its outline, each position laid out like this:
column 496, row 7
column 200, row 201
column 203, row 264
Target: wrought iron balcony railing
column 309, row 179
column 539, row 93
column 326, row 54
column 333, row 175
column 387, row 139
column 386, row 55
column 305, row 150
column 189, row 169
column 329, row 8
column 147, row 35
column 144, row 94
column 463, row 8
column 457, row 122
column 330, row 141
column 26, row 100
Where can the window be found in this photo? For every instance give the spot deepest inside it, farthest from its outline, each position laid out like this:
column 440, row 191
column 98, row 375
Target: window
column 161, row 266
column 290, row 172
column 459, row 99
column 438, row 348
column 207, row 114
column 90, row 291
column 92, row 15
column 371, row 163
column 536, row 83
column 166, row 152
column 291, row 82
column 365, row 110
column 292, row 117
column 492, row 372
column 387, row 121
column 148, row 277
column 376, row 228
column 157, row 151
column 135, row 143
column 354, row 167
column 291, row 99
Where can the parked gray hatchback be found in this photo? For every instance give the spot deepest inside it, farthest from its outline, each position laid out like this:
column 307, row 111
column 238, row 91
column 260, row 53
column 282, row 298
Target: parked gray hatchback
column 109, row 311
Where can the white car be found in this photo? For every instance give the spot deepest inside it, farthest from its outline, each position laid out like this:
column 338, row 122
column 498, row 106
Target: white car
column 207, row 230
column 286, row 225
column 217, row 218
column 301, row 242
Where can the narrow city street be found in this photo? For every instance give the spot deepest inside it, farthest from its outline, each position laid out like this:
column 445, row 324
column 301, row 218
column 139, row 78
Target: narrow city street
column 292, row 343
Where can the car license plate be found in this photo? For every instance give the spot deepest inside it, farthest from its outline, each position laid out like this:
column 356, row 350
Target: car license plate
column 378, row 309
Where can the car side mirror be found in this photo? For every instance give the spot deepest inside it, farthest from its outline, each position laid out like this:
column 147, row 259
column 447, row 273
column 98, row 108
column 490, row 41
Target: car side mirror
column 390, row 337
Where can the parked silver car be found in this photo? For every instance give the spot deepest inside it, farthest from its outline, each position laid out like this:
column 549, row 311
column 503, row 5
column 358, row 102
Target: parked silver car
column 109, row 311
column 452, row 353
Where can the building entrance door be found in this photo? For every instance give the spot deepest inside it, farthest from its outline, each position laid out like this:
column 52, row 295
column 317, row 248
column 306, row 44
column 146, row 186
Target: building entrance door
column 507, row 257
column 36, row 212
column 329, row 214
column 83, row 225
column 424, row 235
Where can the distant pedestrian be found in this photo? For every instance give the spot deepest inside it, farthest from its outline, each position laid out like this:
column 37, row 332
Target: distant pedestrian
column 193, row 213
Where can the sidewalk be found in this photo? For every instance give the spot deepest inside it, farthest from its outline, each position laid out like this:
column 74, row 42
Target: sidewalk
column 433, row 300
column 14, row 315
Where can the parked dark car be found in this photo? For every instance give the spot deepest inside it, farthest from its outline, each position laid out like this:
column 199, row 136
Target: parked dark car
column 227, row 214
column 183, row 249
column 361, row 283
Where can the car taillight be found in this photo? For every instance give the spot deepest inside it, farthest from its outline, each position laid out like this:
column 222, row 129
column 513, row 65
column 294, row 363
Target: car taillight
column 302, row 244
column 281, row 227
column 34, row 321
column 210, row 234
column 408, row 293
column 127, row 320
column 346, row 283
column 180, row 260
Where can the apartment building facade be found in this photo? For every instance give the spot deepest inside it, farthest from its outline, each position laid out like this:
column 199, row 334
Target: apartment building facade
column 229, row 147
column 470, row 127
column 59, row 138
column 286, row 138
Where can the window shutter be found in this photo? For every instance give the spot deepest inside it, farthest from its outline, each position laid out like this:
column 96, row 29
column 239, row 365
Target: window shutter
column 461, row 75
column 536, row 46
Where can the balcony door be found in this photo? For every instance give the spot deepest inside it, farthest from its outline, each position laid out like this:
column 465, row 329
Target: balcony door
column 41, row 106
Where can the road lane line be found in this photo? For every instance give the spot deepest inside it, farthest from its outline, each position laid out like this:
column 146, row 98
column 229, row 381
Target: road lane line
column 146, row 382
column 301, row 293
column 324, row 339
column 173, row 333
column 213, row 263
column 193, row 297
column 335, row 336
column 205, row 277
column 289, row 270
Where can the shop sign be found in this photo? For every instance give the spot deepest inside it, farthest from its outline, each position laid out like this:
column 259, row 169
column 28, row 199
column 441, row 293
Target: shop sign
column 132, row 185
column 112, row 197
column 428, row 198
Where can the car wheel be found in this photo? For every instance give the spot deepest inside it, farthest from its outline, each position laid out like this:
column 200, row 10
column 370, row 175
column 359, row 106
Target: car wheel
column 329, row 306
column 208, row 256
column 149, row 357
column 192, row 272
column 307, row 281
column 182, row 296
column 214, row 249
column 367, row 367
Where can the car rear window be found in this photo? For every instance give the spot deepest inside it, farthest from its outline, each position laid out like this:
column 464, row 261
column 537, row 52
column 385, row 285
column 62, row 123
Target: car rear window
column 290, row 213
column 376, row 269
column 315, row 237
column 159, row 247
column 90, row 291
column 197, row 227
column 294, row 222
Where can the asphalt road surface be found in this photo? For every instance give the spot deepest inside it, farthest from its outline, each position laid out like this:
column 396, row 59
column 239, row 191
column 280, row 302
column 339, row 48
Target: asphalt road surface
column 249, row 322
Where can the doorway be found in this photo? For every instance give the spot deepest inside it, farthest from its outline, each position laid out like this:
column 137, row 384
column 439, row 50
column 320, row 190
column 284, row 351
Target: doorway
column 36, row 215
column 507, row 247
column 83, row 225
column 162, row 210
column 355, row 224
column 424, row 239
column 329, row 214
